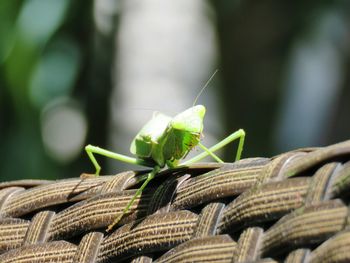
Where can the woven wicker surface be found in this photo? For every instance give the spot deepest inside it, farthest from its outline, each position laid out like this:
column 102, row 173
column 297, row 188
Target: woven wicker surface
column 292, row 208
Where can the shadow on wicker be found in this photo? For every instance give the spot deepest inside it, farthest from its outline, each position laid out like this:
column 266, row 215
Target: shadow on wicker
column 292, row 208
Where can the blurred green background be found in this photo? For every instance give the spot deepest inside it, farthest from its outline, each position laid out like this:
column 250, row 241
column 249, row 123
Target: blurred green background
column 79, row 72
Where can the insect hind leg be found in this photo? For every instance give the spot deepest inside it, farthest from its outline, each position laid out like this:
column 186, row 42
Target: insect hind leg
column 210, row 153
column 240, row 134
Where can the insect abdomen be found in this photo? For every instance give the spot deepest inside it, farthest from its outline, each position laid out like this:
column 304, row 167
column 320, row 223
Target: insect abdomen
column 147, row 140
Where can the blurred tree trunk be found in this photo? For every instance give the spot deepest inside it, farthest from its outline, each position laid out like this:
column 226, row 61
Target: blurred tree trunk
column 257, row 40
column 315, row 72
column 99, row 86
column 165, row 54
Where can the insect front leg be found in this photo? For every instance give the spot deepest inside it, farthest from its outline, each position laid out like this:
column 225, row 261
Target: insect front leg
column 91, row 150
column 240, row 134
column 138, row 192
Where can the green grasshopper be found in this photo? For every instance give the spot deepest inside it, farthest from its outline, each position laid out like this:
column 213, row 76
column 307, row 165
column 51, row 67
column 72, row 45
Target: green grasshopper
column 164, row 141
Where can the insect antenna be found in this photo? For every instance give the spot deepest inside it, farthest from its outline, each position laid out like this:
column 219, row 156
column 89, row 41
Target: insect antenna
column 204, row 87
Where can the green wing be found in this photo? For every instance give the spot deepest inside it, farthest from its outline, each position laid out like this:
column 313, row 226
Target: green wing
column 179, row 143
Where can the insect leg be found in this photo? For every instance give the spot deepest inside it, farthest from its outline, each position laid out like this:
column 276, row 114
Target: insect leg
column 91, row 150
column 240, row 134
column 138, row 192
column 210, row 153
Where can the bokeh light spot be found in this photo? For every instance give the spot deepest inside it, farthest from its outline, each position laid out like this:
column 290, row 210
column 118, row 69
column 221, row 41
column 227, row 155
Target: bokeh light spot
column 64, row 129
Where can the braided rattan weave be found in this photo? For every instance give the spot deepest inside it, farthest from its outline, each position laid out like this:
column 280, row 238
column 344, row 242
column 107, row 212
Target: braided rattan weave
column 292, row 208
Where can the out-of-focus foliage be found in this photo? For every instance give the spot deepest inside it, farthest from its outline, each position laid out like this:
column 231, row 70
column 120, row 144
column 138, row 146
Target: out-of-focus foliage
column 283, row 77
column 43, row 125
